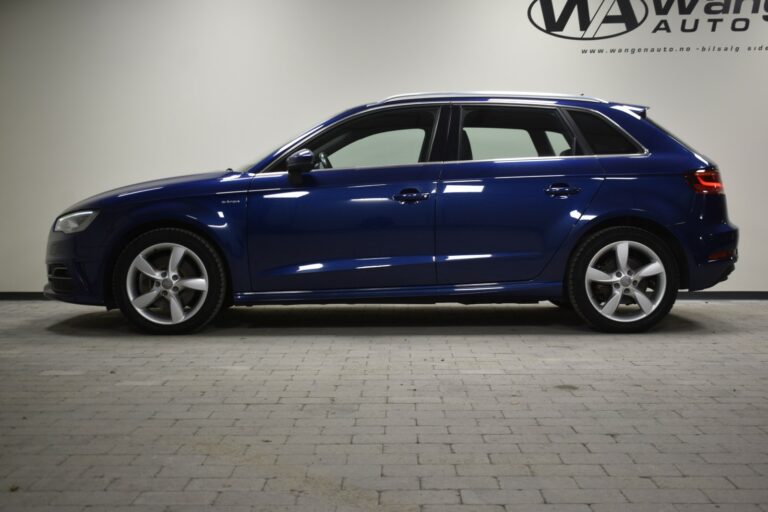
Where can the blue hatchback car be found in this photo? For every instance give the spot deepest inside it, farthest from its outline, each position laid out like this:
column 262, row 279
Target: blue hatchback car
column 460, row 197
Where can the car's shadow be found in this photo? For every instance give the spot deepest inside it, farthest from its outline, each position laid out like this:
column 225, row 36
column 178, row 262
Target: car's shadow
column 383, row 320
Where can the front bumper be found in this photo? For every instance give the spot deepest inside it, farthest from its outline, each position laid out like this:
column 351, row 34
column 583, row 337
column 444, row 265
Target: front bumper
column 75, row 269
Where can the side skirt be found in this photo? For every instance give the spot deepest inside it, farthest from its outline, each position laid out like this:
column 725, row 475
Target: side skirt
column 480, row 293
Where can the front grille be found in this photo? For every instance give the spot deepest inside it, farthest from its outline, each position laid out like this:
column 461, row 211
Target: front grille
column 59, row 278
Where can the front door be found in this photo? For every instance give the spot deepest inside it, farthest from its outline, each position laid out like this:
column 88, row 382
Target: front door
column 364, row 218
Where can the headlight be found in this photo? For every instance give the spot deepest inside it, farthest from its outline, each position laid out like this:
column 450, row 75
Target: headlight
column 74, row 222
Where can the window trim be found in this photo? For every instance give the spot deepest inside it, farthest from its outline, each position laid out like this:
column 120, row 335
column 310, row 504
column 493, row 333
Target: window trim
column 441, row 149
column 453, row 142
column 458, row 125
column 433, row 143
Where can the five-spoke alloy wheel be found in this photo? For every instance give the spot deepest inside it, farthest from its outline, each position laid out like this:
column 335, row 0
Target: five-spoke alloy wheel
column 622, row 279
column 169, row 281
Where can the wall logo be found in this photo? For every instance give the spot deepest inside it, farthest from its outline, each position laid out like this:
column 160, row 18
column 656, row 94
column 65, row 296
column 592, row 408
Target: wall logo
column 587, row 20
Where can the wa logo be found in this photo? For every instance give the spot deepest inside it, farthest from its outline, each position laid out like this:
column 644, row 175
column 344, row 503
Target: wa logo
column 587, row 19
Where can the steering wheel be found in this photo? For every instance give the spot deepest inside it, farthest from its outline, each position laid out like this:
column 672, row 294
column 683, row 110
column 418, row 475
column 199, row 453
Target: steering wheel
column 324, row 162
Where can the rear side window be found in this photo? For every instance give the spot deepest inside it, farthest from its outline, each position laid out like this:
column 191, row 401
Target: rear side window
column 490, row 143
column 497, row 133
column 559, row 144
column 603, row 138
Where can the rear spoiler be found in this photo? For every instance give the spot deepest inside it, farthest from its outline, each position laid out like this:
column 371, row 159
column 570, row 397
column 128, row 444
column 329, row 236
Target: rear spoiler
column 637, row 111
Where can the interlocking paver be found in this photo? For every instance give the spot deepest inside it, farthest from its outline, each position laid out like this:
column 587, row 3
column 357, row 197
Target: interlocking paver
column 702, row 482
column 504, row 497
column 665, row 496
column 382, row 483
column 587, row 496
column 537, row 482
column 459, row 482
column 614, row 482
column 419, row 497
column 384, row 408
column 424, row 470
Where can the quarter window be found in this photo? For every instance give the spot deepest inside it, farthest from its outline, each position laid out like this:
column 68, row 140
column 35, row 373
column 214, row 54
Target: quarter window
column 495, row 133
column 603, row 138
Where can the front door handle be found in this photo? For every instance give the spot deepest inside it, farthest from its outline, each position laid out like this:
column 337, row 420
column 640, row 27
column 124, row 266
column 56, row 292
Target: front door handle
column 410, row 195
column 561, row 190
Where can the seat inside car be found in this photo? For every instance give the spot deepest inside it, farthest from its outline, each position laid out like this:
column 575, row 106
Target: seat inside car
column 465, row 149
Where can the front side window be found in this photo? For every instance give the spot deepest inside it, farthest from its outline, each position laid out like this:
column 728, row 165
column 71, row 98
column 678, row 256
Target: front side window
column 495, row 133
column 392, row 147
column 400, row 136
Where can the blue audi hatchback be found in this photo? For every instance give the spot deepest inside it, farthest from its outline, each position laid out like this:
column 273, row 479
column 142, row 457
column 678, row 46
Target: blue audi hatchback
column 461, row 197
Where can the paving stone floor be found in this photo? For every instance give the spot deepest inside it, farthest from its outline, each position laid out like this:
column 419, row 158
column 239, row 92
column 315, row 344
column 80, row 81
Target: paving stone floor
column 384, row 408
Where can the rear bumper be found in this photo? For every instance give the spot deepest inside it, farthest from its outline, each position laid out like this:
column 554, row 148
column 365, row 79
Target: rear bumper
column 711, row 274
column 715, row 256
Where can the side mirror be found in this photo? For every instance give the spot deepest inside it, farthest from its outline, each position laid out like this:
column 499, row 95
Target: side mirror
column 301, row 161
column 298, row 163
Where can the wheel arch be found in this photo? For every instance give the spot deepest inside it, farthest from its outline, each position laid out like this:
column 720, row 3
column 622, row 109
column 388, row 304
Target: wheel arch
column 638, row 222
column 122, row 239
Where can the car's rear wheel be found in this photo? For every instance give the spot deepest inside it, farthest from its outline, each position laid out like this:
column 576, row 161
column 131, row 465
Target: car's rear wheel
column 623, row 279
column 169, row 281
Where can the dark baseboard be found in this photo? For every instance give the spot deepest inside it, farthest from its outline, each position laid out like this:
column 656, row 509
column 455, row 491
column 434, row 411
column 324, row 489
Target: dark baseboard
column 22, row 296
column 723, row 295
column 681, row 296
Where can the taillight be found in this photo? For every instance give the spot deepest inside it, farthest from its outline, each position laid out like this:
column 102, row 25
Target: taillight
column 706, row 181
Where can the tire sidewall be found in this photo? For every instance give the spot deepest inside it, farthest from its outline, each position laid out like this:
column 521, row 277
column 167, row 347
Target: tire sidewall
column 577, row 288
column 207, row 254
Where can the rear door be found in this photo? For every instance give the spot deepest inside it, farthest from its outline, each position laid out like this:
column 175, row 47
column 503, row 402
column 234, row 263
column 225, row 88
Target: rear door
column 517, row 185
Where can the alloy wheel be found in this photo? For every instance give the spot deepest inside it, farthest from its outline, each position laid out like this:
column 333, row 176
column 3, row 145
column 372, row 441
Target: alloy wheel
column 167, row 283
column 625, row 281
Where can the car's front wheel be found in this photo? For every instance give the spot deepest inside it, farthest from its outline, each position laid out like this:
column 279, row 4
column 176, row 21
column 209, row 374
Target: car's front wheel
column 623, row 279
column 169, row 281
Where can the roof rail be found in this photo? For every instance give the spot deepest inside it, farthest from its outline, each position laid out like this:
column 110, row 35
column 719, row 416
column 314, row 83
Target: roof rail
column 491, row 94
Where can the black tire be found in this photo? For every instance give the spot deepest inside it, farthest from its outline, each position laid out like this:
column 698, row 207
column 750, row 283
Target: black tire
column 579, row 297
column 562, row 304
column 206, row 308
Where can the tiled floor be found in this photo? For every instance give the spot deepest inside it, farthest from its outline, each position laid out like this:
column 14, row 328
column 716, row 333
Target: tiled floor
column 385, row 408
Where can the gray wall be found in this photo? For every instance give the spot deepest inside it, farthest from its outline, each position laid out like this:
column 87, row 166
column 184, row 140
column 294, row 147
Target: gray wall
column 97, row 94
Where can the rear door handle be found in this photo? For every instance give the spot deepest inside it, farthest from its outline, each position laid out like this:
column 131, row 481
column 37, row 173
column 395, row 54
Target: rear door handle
column 561, row 190
column 410, row 195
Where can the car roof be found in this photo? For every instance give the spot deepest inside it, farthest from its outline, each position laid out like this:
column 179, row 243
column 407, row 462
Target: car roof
column 488, row 95
column 540, row 98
